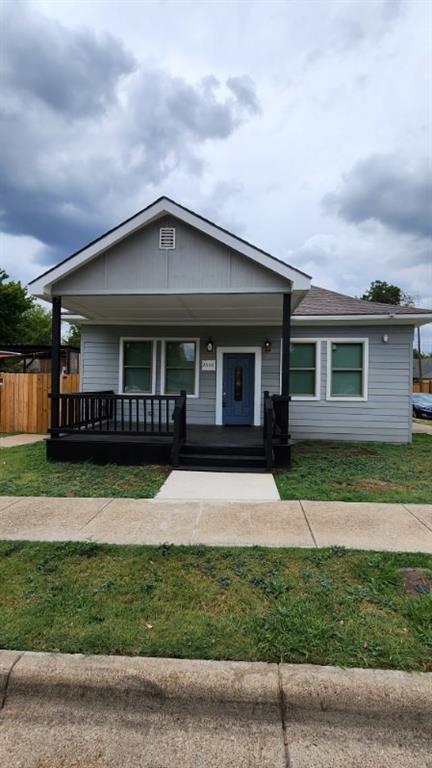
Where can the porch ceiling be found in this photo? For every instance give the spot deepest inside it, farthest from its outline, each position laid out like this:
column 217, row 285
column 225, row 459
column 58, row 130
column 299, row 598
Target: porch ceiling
column 211, row 309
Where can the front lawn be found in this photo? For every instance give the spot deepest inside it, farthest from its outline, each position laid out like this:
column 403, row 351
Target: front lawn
column 329, row 606
column 330, row 471
column 24, row 471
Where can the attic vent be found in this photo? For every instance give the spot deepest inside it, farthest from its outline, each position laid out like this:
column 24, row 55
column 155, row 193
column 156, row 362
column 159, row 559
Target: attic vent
column 167, row 237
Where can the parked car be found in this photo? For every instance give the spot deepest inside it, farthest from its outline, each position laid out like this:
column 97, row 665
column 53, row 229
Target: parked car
column 422, row 406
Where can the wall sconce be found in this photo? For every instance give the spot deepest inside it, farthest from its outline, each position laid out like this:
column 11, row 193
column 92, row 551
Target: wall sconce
column 209, row 345
column 267, row 345
column 386, row 338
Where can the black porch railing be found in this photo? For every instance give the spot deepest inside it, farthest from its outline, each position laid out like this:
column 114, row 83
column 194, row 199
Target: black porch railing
column 276, row 424
column 268, row 430
column 106, row 413
column 179, row 418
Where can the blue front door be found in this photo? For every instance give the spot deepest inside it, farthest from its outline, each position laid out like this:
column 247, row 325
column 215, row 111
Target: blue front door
column 238, row 388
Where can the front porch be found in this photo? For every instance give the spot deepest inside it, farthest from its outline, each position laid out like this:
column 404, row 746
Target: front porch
column 109, row 428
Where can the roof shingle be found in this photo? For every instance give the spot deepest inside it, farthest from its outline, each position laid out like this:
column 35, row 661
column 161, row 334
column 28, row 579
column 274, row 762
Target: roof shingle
column 320, row 301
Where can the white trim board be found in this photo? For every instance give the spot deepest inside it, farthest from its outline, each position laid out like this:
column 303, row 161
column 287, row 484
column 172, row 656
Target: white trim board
column 220, row 351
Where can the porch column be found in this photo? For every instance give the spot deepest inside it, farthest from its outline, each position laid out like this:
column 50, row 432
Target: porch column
column 286, row 344
column 55, row 361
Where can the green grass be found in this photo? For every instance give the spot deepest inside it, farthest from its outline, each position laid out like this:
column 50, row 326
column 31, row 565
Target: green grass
column 329, row 606
column 360, row 472
column 24, row 471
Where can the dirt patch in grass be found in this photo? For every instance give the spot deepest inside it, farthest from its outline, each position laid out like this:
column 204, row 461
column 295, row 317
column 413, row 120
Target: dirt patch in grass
column 376, row 484
column 417, row 581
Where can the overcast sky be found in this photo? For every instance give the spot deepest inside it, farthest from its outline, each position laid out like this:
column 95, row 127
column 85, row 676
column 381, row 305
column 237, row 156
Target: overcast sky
column 304, row 127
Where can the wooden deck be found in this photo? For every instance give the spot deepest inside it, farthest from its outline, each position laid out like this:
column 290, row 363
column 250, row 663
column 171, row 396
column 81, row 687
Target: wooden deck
column 197, row 434
column 205, row 446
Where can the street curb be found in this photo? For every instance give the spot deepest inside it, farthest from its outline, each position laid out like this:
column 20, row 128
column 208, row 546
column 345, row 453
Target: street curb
column 253, row 688
column 366, row 692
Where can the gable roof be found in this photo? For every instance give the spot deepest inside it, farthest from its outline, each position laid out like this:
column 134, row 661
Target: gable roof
column 40, row 286
column 322, row 302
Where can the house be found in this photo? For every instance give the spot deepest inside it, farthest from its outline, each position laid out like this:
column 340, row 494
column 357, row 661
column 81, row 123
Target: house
column 203, row 350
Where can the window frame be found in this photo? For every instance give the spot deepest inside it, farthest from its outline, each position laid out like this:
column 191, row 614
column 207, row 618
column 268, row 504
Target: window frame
column 123, row 339
column 317, row 342
column 365, row 373
column 163, row 364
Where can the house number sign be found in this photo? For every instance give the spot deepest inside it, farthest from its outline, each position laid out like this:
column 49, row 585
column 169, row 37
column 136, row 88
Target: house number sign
column 208, row 365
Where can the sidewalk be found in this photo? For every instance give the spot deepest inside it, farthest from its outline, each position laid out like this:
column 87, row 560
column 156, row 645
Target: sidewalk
column 11, row 441
column 79, row 711
column 386, row 527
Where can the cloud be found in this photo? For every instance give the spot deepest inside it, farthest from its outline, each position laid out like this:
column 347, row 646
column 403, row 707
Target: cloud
column 347, row 262
column 357, row 21
column 88, row 136
column 388, row 190
column 74, row 72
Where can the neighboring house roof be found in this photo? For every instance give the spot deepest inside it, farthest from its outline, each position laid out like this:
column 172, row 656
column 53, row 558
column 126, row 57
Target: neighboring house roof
column 41, row 350
column 426, row 368
column 164, row 205
column 321, row 302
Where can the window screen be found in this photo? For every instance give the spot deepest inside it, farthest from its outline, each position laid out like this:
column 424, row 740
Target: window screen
column 137, row 366
column 303, row 369
column 347, row 364
column 180, row 362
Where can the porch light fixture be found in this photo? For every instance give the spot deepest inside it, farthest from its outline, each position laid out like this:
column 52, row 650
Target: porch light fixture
column 385, row 338
column 210, row 345
column 267, row 345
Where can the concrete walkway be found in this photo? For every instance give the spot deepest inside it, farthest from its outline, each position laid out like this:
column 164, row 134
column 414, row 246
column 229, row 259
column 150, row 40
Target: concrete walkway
column 11, row 441
column 422, row 428
column 78, row 711
column 218, row 486
column 391, row 527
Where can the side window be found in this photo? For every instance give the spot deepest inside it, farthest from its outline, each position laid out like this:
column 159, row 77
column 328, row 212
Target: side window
column 347, row 369
column 303, row 374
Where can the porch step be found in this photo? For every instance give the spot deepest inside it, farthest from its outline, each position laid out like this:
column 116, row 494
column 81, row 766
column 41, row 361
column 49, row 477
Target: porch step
column 210, row 468
column 222, row 449
column 227, row 461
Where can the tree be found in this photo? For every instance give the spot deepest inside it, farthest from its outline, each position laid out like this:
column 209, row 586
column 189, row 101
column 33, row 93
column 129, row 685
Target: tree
column 383, row 292
column 22, row 319
column 37, row 326
column 73, row 338
column 14, row 304
column 386, row 293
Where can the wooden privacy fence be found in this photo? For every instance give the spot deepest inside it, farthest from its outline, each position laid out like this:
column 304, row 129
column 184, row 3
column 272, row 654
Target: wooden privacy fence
column 424, row 386
column 24, row 401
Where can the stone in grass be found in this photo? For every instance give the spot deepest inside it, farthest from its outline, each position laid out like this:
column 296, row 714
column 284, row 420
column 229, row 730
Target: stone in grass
column 417, row 581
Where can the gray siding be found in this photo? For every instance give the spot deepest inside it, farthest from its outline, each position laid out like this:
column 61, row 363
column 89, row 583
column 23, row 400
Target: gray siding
column 198, row 263
column 101, row 347
column 385, row 416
